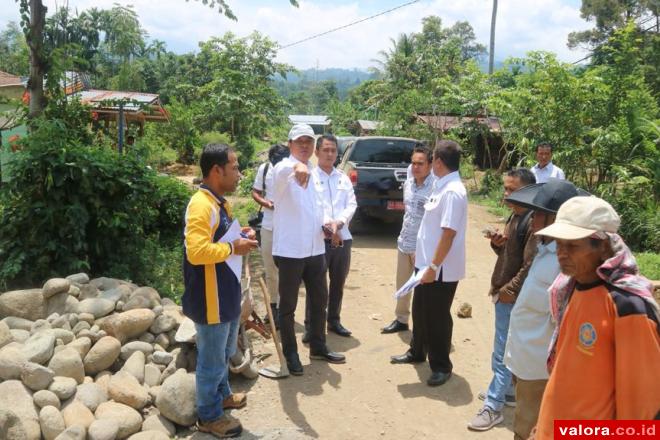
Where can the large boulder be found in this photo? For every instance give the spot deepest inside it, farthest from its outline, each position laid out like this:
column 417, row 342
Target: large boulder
column 81, row 345
column 12, row 359
column 124, row 388
column 45, row 398
column 128, row 419
column 105, row 283
column 18, row 398
column 61, row 303
column 128, row 349
column 102, row 355
column 55, row 286
column 39, row 348
column 63, row 387
column 135, row 366
column 5, row 334
column 75, row 432
column 27, row 304
column 127, row 325
column 120, row 293
column 151, row 375
column 91, row 395
column 11, row 425
column 78, row 278
column 75, row 413
column 98, row 307
column 157, row 422
column 106, row 429
column 176, row 399
column 16, row 323
column 163, row 324
column 68, row 363
column 36, row 377
column 51, row 422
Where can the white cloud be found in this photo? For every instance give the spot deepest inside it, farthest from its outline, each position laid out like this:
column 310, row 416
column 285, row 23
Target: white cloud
column 522, row 25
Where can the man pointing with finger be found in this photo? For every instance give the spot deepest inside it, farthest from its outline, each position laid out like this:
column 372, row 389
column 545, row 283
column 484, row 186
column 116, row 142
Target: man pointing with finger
column 299, row 247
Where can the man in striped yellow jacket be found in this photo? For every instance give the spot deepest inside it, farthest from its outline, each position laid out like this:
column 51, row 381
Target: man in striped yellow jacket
column 212, row 296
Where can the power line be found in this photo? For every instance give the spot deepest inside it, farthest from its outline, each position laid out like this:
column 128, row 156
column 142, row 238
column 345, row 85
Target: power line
column 591, row 52
column 348, row 25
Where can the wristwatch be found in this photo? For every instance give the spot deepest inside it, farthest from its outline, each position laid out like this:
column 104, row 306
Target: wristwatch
column 434, row 266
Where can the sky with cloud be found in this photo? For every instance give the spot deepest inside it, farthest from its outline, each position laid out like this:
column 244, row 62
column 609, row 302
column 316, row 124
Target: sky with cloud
column 522, row 25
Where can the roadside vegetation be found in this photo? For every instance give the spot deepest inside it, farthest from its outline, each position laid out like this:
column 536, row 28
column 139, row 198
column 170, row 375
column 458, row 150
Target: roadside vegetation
column 77, row 204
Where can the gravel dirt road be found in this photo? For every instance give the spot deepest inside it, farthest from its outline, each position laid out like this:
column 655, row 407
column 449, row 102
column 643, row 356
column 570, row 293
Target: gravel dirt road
column 368, row 398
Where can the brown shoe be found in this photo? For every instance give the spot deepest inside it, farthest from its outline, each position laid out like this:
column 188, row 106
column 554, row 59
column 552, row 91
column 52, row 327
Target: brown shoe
column 235, row 401
column 224, row 427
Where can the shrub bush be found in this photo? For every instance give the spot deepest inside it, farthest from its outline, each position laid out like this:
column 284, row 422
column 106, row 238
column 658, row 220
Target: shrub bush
column 71, row 207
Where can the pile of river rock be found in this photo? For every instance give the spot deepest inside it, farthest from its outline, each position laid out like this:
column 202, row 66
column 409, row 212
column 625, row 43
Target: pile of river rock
column 93, row 359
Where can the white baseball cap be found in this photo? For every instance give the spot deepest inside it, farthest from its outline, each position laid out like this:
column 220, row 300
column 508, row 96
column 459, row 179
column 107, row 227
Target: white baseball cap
column 581, row 217
column 300, row 130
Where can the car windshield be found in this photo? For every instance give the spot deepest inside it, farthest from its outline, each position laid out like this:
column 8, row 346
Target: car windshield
column 383, row 150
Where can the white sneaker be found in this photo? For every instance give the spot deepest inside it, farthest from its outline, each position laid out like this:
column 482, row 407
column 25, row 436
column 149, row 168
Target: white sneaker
column 485, row 419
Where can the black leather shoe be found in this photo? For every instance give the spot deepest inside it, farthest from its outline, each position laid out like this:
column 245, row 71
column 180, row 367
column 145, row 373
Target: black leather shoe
column 329, row 356
column 294, row 365
column 336, row 327
column 395, row 326
column 405, row 358
column 307, row 336
column 438, row 378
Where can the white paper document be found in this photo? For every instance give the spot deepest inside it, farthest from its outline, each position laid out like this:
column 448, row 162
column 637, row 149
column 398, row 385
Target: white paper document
column 409, row 285
column 235, row 262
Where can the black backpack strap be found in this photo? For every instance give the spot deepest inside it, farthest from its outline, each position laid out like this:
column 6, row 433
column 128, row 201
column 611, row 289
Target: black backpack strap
column 263, row 178
column 523, row 226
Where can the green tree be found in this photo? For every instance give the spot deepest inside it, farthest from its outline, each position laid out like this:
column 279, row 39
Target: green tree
column 238, row 96
column 610, row 15
column 14, row 53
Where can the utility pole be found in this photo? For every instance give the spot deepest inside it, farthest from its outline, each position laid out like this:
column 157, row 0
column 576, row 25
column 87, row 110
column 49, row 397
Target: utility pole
column 491, row 52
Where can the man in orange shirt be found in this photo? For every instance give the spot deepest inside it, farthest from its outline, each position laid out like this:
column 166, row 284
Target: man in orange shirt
column 605, row 357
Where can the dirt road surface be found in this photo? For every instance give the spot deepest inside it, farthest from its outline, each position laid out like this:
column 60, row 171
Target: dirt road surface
column 368, row 398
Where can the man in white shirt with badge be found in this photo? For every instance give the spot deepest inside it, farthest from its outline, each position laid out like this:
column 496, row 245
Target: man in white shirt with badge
column 339, row 206
column 544, row 168
column 299, row 247
column 440, row 254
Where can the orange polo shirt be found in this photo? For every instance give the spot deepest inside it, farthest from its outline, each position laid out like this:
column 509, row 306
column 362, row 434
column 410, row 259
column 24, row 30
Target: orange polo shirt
column 608, row 360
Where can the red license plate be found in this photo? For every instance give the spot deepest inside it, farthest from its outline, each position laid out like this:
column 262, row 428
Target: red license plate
column 395, row 205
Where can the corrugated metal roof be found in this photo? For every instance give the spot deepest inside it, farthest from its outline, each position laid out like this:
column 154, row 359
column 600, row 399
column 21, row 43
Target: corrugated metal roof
column 95, row 98
column 9, row 80
column 369, row 125
column 444, row 123
column 309, row 119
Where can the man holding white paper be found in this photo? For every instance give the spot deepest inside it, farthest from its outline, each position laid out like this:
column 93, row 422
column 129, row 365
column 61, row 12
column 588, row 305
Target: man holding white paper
column 212, row 297
column 440, row 255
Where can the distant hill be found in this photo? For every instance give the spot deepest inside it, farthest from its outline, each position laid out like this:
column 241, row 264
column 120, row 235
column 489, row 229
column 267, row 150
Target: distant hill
column 347, row 76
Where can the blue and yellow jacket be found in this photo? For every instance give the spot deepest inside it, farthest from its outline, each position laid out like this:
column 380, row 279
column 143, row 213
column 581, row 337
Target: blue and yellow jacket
column 212, row 290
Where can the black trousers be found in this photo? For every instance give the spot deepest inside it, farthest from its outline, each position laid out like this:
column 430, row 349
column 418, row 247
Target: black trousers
column 338, row 261
column 432, row 324
column 311, row 271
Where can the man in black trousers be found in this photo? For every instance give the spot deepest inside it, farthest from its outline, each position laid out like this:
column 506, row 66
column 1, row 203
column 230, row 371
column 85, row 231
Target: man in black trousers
column 299, row 248
column 440, row 254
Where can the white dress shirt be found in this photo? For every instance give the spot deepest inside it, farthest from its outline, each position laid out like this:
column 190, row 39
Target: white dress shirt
column 298, row 218
column 549, row 171
column 267, row 220
column 531, row 326
column 338, row 198
column 446, row 208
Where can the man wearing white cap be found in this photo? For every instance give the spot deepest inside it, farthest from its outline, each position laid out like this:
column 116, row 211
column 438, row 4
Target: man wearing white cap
column 605, row 356
column 299, row 247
